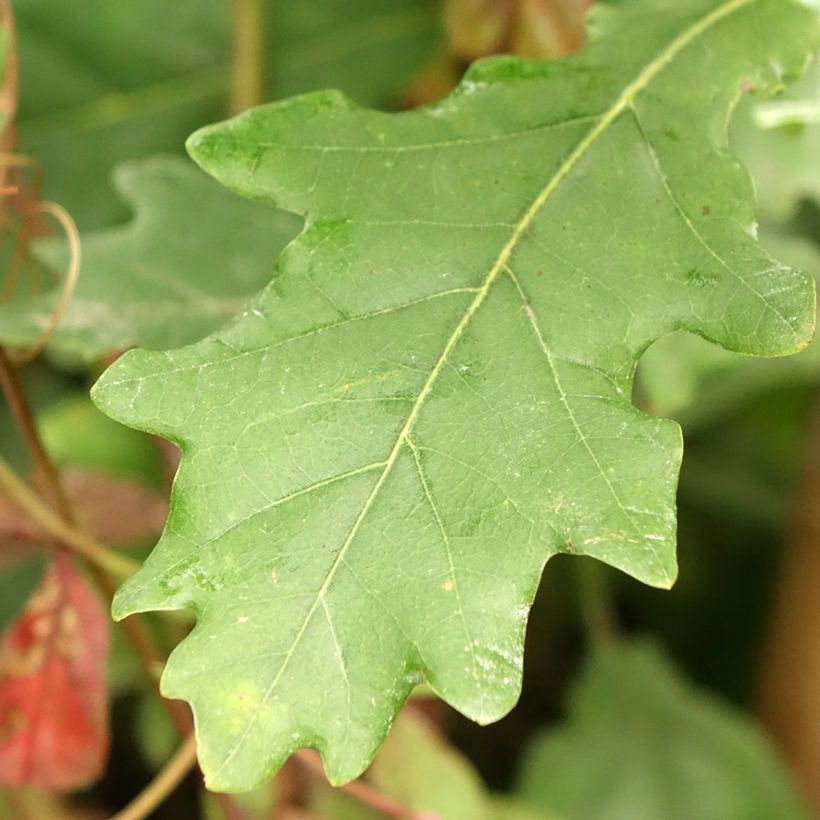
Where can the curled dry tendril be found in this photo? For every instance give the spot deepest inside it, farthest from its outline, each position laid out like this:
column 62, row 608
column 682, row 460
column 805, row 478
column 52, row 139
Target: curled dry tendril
column 30, row 211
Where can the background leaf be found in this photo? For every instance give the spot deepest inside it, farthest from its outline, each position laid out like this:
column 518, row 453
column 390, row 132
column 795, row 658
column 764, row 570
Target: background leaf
column 640, row 743
column 18, row 580
column 190, row 258
column 420, row 770
column 126, row 80
column 53, row 701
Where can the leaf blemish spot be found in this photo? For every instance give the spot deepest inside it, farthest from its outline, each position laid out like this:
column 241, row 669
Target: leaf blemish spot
column 449, row 585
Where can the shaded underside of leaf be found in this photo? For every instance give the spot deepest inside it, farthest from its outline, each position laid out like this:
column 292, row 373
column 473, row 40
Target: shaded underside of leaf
column 433, row 395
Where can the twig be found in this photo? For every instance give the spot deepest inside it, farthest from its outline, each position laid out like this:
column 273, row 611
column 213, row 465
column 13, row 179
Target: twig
column 163, row 784
column 68, row 535
column 248, row 47
column 25, row 421
column 595, row 603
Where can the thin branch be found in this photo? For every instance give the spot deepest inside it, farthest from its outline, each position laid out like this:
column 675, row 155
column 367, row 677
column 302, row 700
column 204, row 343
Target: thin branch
column 358, row 789
column 163, row 784
column 248, row 54
column 595, row 602
column 67, row 534
column 25, row 420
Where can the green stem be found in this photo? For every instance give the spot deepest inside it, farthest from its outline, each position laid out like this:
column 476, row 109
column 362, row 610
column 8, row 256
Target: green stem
column 595, row 602
column 248, row 54
column 75, row 539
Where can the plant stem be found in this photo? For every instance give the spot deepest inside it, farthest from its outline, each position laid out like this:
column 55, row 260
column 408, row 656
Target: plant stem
column 67, row 534
column 62, row 526
column 789, row 685
column 356, row 788
column 25, row 420
column 248, row 54
column 596, row 606
column 163, row 784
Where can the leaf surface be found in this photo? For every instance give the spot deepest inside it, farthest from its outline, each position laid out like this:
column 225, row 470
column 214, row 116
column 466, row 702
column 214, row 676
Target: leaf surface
column 681, row 375
column 53, row 702
column 433, row 395
column 641, row 743
column 698, row 384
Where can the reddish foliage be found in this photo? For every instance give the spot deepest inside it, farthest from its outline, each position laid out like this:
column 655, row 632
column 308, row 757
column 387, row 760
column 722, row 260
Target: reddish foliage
column 53, row 702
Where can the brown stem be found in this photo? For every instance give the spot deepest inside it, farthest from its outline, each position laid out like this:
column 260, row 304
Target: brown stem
column 163, row 784
column 72, row 275
column 789, row 695
column 25, row 420
column 248, row 57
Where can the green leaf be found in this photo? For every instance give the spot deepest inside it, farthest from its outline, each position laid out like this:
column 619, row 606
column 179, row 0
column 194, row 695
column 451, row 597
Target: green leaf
column 128, row 79
column 432, row 397
column 692, row 380
column 187, row 262
column 76, row 434
column 686, row 377
column 641, row 743
column 417, row 768
column 18, row 581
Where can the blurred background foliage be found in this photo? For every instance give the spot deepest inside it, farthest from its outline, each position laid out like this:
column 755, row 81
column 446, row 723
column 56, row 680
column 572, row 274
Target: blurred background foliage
column 702, row 702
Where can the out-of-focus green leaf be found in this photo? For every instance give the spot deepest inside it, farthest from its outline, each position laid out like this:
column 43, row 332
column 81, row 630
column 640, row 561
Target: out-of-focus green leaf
column 418, row 769
column 190, row 258
column 107, row 81
column 640, row 743
column 76, row 434
column 784, row 159
column 17, row 581
column 432, row 396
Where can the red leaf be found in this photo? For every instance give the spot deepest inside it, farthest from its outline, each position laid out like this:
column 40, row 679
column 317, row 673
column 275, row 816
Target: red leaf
column 53, row 700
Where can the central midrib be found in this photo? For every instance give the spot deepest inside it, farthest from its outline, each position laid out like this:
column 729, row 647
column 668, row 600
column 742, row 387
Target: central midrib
column 649, row 72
